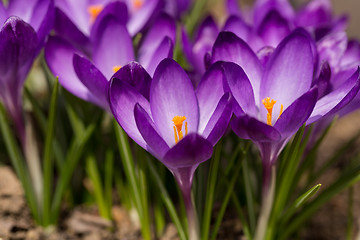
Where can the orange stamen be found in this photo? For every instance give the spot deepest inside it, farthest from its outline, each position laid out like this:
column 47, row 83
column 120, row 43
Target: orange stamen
column 94, row 11
column 138, row 4
column 178, row 122
column 281, row 110
column 269, row 105
column 116, row 68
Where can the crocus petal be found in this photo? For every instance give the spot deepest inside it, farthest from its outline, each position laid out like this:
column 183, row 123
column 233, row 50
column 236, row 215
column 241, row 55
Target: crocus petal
column 233, row 8
column 352, row 54
column 172, row 94
column 273, row 29
column 77, row 12
column 238, row 26
column 337, row 99
column 331, row 47
column 59, row 54
column 164, row 50
column 240, row 88
column 3, row 14
column 18, row 44
column 323, row 82
column 190, row 151
column 122, row 99
column 141, row 16
column 296, row 114
column 250, row 128
column 21, row 8
column 92, row 78
column 68, row 30
column 135, row 75
column 209, row 92
column 315, row 13
column 228, row 47
column 112, row 46
column 290, row 67
column 164, row 26
column 158, row 146
column 117, row 9
column 219, row 120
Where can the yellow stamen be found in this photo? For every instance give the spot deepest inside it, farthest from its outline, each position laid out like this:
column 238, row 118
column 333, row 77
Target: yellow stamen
column 268, row 104
column 116, row 68
column 281, row 110
column 138, row 4
column 94, row 11
column 178, row 122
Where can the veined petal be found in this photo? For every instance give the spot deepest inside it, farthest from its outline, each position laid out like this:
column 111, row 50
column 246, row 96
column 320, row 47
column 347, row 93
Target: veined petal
column 65, row 28
column 240, row 88
column 92, row 78
column 163, row 27
column 164, row 50
column 238, row 26
column 208, row 93
column 158, row 146
column 219, row 120
column 228, row 47
column 141, row 16
column 112, row 46
column 290, row 67
column 296, row 114
column 135, row 75
column 59, row 54
column 190, row 151
column 16, row 8
column 172, row 94
column 122, row 99
column 334, row 101
column 250, row 128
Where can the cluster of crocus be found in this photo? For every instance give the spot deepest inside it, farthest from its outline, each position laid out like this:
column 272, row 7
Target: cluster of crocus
column 264, row 74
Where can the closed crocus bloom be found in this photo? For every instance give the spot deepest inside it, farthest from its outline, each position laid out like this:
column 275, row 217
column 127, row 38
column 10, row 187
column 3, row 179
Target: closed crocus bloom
column 86, row 75
column 176, row 124
column 275, row 99
column 20, row 41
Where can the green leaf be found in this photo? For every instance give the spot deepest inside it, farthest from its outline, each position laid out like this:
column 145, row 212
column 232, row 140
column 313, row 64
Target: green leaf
column 303, row 198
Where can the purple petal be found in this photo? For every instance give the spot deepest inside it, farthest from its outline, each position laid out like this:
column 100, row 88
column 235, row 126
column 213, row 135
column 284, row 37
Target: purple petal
column 332, row 47
column 112, row 46
column 264, row 54
column 18, row 44
column 68, row 30
column 290, row 67
column 135, row 75
column 228, row 47
column 146, row 126
column 172, row 94
column 139, row 17
column 296, row 114
column 352, row 55
column 117, row 9
column 59, row 55
column 92, row 78
column 233, row 8
column 236, row 25
column 164, row 50
column 323, row 82
column 122, row 99
column 240, row 88
column 3, row 14
column 21, row 8
column 164, row 26
column 219, row 120
column 190, row 151
column 315, row 13
column 250, row 128
column 334, row 101
column 209, row 92
column 273, row 29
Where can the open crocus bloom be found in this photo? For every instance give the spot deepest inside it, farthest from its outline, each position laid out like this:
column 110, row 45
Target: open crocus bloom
column 86, row 75
column 274, row 100
column 176, row 124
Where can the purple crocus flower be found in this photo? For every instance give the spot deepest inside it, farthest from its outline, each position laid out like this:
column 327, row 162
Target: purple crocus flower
column 177, row 8
column 86, row 75
column 75, row 18
column 20, row 42
column 275, row 99
column 177, row 125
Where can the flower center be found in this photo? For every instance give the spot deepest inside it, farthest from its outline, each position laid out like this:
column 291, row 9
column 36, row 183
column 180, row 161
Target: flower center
column 94, row 11
column 269, row 105
column 116, row 68
column 137, row 4
column 178, row 122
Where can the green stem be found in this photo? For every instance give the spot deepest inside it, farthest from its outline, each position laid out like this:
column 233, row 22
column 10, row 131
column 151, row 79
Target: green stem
column 268, row 200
